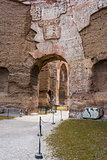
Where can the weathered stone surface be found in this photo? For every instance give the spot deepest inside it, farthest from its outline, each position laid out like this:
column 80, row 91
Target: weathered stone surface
column 99, row 82
column 92, row 113
column 36, row 13
column 51, row 32
column 45, row 31
column 54, row 81
column 15, row 24
column 80, row 74
column 63, row 6
column 94, row 36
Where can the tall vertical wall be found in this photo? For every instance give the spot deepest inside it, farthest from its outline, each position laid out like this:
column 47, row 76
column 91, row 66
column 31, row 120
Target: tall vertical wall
column 16, row 41
column 34, row 29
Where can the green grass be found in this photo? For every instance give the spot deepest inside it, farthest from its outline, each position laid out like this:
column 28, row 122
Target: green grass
column 5, row 117
column 79, row 140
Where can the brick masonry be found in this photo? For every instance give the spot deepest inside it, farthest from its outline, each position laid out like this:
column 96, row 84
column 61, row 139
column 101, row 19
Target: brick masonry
column 35, row 32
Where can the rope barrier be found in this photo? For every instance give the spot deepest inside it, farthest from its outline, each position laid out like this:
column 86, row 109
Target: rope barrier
column 47, row 121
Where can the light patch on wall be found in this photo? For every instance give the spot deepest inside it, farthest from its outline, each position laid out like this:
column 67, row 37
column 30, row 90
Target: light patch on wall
column 50, row 13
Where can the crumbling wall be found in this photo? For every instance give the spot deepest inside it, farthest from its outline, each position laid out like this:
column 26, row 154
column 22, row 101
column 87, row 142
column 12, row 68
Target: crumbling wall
column 46, row 31
column 94, row 36
column 88, row 76
column 44, row 86
column 15, row 44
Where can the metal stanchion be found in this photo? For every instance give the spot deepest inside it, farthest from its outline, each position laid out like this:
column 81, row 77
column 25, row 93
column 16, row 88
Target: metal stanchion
column 61, row 116
column 53, row 118
column 39, row 154
column 7, row 113
column 40, row 128
column 21, row 113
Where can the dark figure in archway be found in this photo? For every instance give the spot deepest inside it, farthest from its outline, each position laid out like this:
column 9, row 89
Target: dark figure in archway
column 51, row 98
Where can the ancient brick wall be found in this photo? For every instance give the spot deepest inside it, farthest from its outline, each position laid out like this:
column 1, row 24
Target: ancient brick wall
column 15, row 43
column 44, row 86
column 94, row 36
column 34, row 33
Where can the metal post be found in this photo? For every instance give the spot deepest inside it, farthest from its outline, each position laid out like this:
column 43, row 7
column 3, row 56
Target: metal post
column 39, row 154
column 39, row 145
column 7, row 113
column 61, row 116
column 53, row 119
column 40, row 128
column 21, row 113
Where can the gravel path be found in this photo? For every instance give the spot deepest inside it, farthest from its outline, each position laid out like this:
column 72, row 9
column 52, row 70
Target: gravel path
column 19, row 140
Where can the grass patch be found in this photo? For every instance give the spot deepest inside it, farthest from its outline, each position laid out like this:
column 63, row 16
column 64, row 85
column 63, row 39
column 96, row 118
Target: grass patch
column 80, row 140
column 5, row 117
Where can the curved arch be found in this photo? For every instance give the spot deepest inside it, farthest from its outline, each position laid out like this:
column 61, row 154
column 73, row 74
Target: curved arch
column 34, row 74
column 42, row 61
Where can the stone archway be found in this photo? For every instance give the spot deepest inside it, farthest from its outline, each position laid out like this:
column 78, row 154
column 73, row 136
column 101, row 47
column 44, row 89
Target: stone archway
column 42, row 65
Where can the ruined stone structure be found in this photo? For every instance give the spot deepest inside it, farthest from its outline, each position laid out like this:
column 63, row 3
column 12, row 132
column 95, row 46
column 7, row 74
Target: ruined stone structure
column 57, row 45
column 54, row 77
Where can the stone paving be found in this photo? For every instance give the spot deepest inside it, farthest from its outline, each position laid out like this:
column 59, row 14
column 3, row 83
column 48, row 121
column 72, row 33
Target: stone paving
column 19, row 140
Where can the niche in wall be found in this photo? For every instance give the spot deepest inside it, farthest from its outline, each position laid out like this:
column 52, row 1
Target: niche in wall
column 100, row 76
column 4, row 74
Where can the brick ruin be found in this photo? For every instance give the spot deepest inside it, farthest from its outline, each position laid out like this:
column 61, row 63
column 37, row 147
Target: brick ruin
column 53, row 45
column 54, row 78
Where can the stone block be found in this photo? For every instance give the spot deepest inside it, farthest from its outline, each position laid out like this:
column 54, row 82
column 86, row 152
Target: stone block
column 63, row 7
column 35, row 12
column 51, row 32
column 92, row 113
column 75, row 114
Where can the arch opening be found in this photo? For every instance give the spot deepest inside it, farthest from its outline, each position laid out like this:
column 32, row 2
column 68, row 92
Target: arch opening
column 42, row 61
column 45, row 79
column 4, row 76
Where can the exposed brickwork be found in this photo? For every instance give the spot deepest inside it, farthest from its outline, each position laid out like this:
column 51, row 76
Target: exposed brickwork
column 15, row 21
column 52, row 80
column 31, row 36
column 94, row 36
